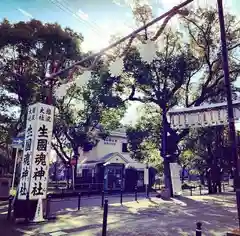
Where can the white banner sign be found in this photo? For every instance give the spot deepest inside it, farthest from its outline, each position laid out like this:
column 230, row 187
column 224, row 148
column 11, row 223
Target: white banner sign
column 201, row 118
column 41, row 152
column 175, row 176
column 28, row 151
column 146, row 176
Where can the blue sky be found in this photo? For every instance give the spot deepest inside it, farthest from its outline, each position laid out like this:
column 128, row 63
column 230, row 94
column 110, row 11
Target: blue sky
column 97, row 20
column 93, row 18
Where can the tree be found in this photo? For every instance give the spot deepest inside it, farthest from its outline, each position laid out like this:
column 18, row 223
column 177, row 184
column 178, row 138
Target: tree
column 186, row 159
column 28, row 51
column 144, row 136
column 85, row 115
column 167, row 82
column 83, row 118
column 211, row 150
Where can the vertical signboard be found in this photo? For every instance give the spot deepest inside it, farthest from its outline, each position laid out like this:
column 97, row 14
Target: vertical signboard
column 175, row 176
column 41, row 152
column 146, row 175
column 28, row 151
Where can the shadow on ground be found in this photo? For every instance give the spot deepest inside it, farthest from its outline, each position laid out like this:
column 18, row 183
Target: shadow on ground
column 145, row 217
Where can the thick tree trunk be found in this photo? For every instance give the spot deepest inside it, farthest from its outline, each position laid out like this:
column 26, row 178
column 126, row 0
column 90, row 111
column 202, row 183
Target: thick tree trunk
column 214, row 179
column 219, row 186
column 209, row 181
column 183, row 173
column 202, row 180
column 167, row 176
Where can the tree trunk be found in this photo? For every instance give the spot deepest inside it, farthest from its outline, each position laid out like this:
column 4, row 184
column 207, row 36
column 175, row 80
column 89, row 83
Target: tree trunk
column 183, row 173
column 55, row 171
column 214, row 179
column 202, row 180
column 219, row 186
column 209, row 181
column 210, row 190
column 167, row 176
column 68, row 176
column 76, row 156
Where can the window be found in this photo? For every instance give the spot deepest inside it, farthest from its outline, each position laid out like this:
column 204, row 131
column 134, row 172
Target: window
column 124, row 147
column 85, row 173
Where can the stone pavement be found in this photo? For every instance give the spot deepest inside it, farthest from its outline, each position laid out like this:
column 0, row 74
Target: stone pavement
column 146, row 217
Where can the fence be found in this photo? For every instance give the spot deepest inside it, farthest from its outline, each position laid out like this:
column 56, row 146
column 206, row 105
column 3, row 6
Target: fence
column 63, row 186
column 194, row 190
column 103, row 202
column 76, row 201
column 191, row 188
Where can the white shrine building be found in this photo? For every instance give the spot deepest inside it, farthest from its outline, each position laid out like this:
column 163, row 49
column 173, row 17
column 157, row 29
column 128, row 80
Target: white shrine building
column 108, row 162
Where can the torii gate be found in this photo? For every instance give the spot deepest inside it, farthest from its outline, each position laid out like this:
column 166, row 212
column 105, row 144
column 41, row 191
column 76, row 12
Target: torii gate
column 202, row 116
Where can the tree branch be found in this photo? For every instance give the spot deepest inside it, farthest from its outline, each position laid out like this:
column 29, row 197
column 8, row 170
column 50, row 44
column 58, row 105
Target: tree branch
column 166, row 20
column 61, row 147
column 59, row 153
column 132, row 98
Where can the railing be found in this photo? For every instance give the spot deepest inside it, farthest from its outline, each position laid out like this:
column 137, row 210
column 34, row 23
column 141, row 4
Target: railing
column 104, row 204
column 203, row 189
column 196, row 188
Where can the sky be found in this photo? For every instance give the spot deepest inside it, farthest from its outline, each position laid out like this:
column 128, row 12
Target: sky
column 97, row 20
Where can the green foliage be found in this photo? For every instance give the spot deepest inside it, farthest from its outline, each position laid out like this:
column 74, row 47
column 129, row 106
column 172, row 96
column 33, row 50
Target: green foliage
column 144, row 137
column 186, row 72
column 28, row 50
column 186, row 158
column 85, row 116
column 209, row 147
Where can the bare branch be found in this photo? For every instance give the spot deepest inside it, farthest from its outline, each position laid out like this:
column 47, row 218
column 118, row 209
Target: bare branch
column 165, row 22
column 188, row 84
column 56, row 149
column 60, row 146
column 142, row 100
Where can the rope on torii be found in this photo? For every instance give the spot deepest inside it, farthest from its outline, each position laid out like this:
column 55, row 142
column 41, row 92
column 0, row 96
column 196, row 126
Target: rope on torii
column 116, row 65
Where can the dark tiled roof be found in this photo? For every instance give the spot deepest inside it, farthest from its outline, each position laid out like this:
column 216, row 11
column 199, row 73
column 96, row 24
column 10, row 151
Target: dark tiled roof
column 107, row 156
column 88, row 162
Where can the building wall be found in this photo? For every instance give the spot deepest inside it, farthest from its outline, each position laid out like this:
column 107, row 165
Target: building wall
column 113, row 143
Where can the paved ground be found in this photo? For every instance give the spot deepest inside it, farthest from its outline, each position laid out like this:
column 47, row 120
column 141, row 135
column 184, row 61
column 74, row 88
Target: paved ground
column 146, row 217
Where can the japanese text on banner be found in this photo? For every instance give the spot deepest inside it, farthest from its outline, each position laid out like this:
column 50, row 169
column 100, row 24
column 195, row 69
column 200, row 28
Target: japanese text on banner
column 42, row 146
column 27, row 152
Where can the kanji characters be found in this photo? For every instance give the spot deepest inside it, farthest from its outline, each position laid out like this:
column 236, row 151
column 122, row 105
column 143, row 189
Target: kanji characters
column 41, row 117
column 43, row 131
column 31, row 114
column 26, row 159
column 29, row 131
column 39, row 173
column 25, row 172
column 23, row 189
column 48, row 118
column 42, row 145
column 28, row 144
column 33, row 117
column 37, row 189
column 42, row 110
column 40, row 159
column 48, row 112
